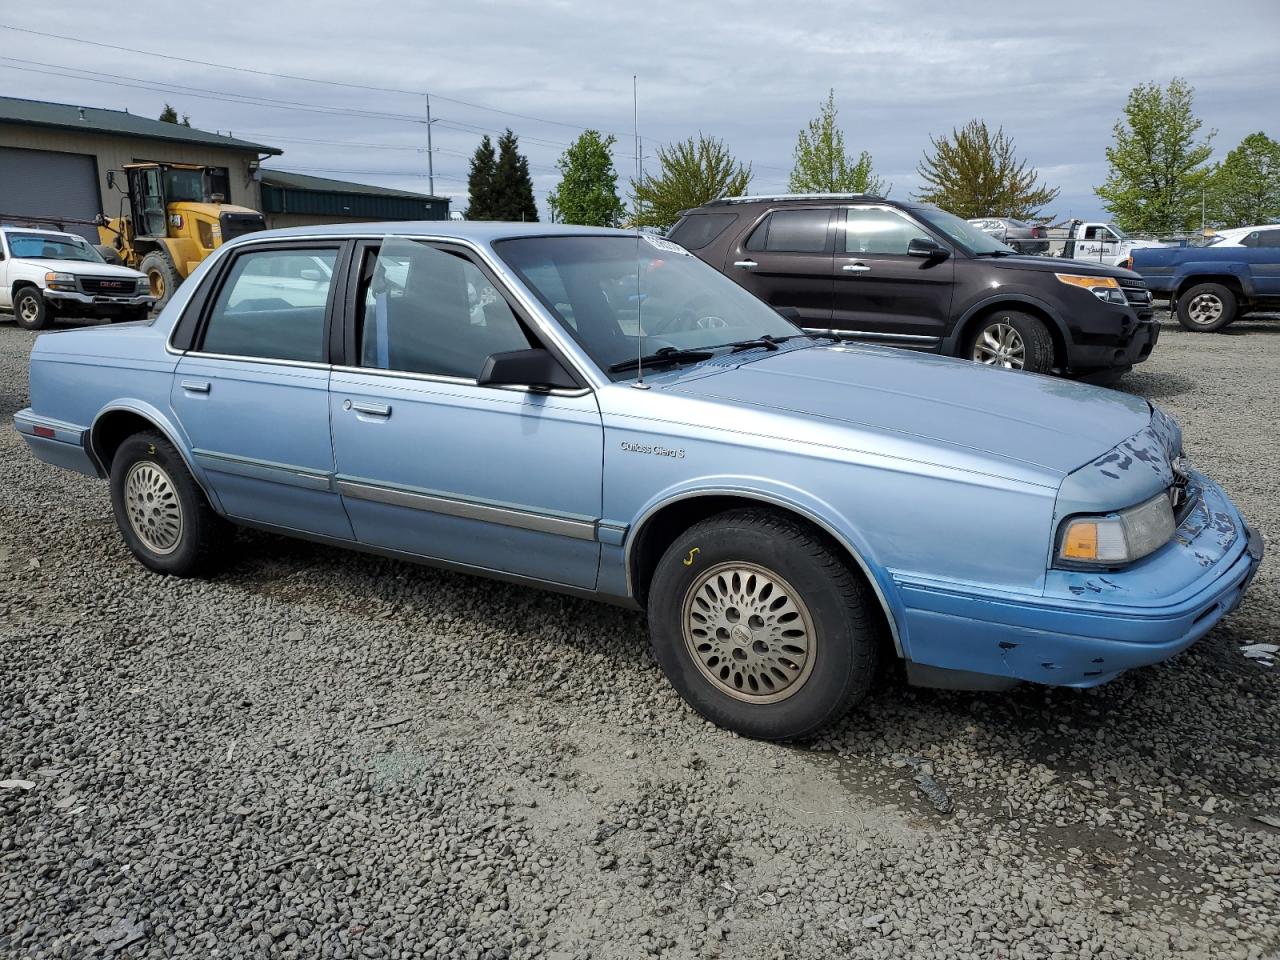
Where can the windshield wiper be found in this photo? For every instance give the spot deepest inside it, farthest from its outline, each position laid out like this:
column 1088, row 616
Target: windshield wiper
column 659, row 357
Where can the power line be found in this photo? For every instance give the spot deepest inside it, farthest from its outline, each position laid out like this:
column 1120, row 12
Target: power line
column 292, row 76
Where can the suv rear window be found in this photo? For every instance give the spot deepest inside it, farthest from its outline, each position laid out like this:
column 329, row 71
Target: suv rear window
column 696, row 230
column 792, row 231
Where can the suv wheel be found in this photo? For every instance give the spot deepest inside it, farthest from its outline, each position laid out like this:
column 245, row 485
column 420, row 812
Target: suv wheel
column 1206, row 307
column 29, row 309
column 162, row 513
column 760, row 627
column 1013, row 340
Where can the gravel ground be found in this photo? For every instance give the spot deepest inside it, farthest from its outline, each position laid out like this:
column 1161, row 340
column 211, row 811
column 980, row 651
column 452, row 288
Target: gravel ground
column 320, row 754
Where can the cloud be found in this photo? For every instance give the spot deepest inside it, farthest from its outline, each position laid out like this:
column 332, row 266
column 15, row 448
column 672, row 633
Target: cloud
column 751, row 73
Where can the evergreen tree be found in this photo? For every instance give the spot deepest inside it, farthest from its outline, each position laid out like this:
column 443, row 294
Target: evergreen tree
column 170, row 115
column 973, row 173
column 512, row 185
column 822, row 166
column 588, row 190
column 1244, row 189
column 480, row 182
column 1158, row 169
column 691, row 173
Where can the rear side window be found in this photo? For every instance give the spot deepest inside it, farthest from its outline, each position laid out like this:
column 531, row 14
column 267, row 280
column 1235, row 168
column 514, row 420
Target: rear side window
column 792, row 231
column 272, row 305
column 1262, row 238
column 698, row 229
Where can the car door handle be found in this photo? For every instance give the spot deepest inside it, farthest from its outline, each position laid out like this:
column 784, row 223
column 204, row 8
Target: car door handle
column 855, row 268
column 196, row 386
column 745, row 264
column 369, row 409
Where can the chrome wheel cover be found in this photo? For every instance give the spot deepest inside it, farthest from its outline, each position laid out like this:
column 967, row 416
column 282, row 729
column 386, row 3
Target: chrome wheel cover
column 749, row 632
column 29, row 309
column 1204, row 309
column 153, row 508
column 1000, row 345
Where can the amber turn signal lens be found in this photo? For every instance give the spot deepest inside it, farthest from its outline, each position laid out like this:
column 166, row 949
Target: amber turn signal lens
column 1081, row 542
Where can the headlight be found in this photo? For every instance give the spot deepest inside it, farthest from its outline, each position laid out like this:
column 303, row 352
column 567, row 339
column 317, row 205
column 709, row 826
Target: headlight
column 1104, row 288
column 144, row 285
column 1117, row 538
column 60, row 281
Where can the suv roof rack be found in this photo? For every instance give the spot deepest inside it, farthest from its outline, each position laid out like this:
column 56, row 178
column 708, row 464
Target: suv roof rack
column 793, row 196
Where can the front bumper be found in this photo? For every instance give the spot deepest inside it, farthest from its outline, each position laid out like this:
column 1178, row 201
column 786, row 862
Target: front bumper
column 92, row 305
column 1089, row 628
column 1121, row 353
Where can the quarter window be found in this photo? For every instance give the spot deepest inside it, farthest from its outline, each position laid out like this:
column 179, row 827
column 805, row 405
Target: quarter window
column 792, row 231
column 272, row 305
column 879, row 231
column 425, row 310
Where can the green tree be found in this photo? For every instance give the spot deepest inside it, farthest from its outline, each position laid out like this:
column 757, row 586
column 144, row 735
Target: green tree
column 512, row 185
column 691, row 173
column 588, row 189
column 974, row 173
column 480, row 182
column 1158, row 167
column 822, row 166
column 1245, row 188
column 170, row 115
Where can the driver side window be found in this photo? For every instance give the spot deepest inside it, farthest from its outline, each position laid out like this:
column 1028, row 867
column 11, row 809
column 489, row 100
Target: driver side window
column 426, row 310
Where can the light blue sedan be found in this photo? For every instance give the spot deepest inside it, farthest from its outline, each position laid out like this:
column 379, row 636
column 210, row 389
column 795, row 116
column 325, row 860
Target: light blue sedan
column 598, row 412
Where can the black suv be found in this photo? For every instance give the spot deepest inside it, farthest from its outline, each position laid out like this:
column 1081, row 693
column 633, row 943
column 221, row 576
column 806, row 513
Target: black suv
column 911, row 275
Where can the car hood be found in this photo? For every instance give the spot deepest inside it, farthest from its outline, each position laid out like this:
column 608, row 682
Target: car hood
column 1059, row 265
column 82, row 268
column 1055, row 425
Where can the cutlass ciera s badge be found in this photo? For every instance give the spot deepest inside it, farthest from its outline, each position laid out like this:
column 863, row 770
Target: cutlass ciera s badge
column 655, row 450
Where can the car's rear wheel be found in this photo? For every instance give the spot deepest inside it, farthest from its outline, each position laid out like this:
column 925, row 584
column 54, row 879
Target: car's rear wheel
column 162, row 276
column 1206, row 307
column 30, row 311
column 1013, row 340
column 162, row 513
column 761, row 626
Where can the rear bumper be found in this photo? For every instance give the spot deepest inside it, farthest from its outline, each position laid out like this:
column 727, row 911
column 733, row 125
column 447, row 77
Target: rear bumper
column 1062, row 643
column 55, row 442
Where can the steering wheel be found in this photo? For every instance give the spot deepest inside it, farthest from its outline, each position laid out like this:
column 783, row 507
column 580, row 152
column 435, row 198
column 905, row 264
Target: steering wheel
column 690, row 315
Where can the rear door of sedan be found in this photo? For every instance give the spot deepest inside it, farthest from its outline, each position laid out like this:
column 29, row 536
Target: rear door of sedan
column 432, row 463
column 251, row 390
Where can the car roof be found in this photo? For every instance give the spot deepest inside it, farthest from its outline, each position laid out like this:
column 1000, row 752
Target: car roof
column 476, row 231
column 41, row 231
column 791, row 197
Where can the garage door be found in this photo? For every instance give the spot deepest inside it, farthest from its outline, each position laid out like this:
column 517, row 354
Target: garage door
column 41, row 183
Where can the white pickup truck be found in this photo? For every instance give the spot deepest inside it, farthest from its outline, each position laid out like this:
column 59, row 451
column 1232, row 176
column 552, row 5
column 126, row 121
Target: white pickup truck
column 46, row 274
column 1101, row 243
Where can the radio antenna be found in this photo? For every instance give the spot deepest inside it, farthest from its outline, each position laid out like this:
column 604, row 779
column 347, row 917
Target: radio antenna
column 635, row 120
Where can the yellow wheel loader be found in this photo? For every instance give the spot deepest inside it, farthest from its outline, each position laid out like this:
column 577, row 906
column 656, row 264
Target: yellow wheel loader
column 174, row 220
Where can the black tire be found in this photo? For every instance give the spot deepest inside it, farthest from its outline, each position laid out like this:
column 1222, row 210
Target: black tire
column 1033, row 338
column 201, row 538
column 162, row 276
column 842, row 654
column 30, row 311
column 1207, row 307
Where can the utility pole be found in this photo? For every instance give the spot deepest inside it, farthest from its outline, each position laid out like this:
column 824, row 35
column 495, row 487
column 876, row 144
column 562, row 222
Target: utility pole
column 431, row 164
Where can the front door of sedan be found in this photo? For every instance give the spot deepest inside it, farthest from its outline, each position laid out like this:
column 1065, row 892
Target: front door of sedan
column 434, row 464
column 785, row 260
column 881, row 293
column 253, row 393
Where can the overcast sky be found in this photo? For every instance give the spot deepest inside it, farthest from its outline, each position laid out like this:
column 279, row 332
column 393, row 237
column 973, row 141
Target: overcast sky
column 1055, row 76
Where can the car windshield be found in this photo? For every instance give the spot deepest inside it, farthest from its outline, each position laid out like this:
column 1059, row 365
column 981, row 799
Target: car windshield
column 962, row 232
column 47, row 246
column 624, row 297
column 1117, row 231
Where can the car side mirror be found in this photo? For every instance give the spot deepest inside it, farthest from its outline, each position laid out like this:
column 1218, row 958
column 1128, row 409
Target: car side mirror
column 534, row 367
column 111, row 179
column 927, row 249
column 315, row 276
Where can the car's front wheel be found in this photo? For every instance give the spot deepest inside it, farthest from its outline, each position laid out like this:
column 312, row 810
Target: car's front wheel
column 1206, row 307
column 761, row 626
column 1013, row 340
column 30, row 310
column 161, row 511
